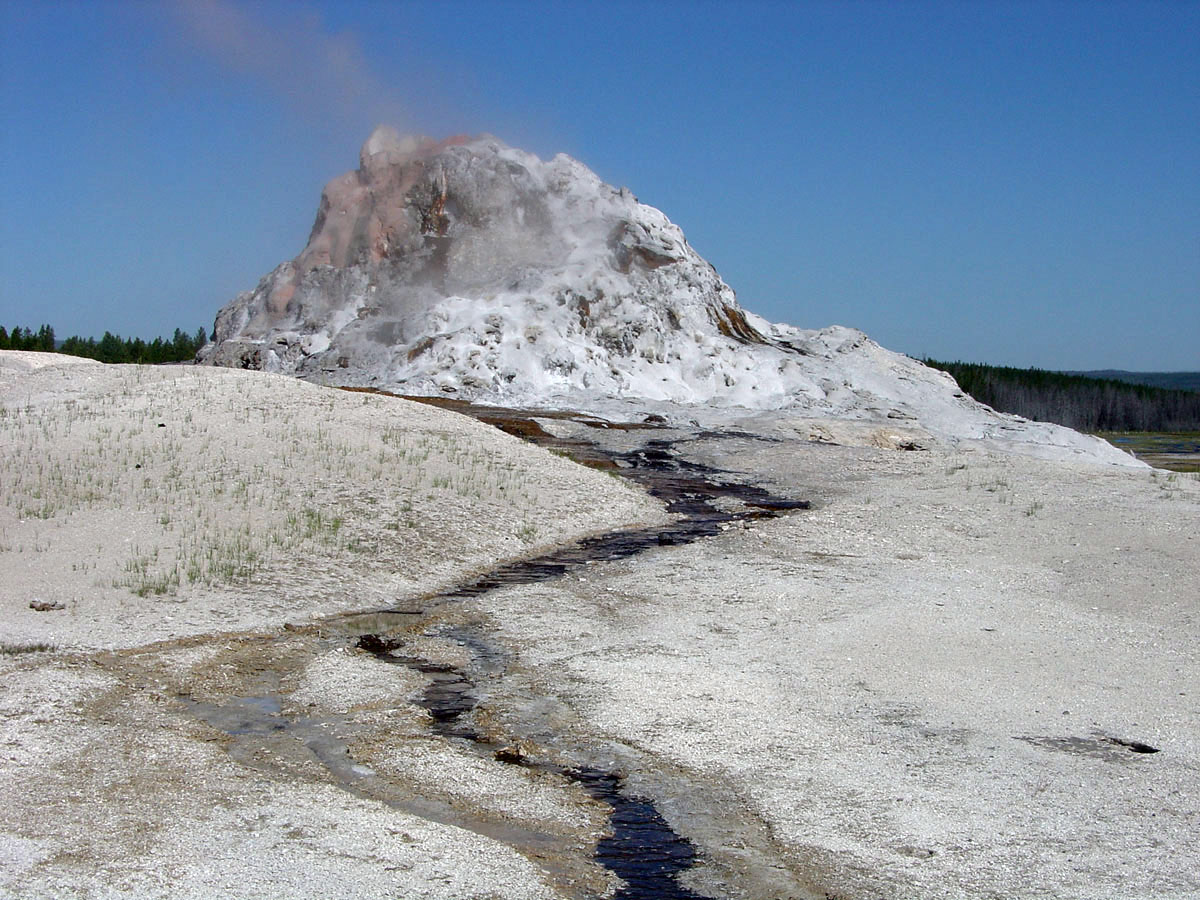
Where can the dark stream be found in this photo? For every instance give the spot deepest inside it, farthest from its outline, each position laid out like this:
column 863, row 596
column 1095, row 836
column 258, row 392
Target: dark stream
column 642, row 849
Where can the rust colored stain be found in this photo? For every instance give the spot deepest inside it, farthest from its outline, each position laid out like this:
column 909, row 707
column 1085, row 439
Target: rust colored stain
column 420, row 347
column 280, row 296
column 455, row 140
column 368, row 211
column 436, row 221
column 732, row 323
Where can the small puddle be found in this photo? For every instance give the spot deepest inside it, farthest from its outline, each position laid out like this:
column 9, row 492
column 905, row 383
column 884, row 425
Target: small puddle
column 1099, row 745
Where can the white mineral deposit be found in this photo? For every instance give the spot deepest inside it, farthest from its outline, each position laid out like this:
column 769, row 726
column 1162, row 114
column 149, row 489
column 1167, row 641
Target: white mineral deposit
column 831, row 627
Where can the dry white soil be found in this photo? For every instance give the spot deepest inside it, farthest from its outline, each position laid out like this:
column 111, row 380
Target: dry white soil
column 159, row 502
column 912, row 690
column 180, row 516
column 915, row 685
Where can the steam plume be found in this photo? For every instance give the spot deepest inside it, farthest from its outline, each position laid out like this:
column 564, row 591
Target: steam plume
column 320, row 73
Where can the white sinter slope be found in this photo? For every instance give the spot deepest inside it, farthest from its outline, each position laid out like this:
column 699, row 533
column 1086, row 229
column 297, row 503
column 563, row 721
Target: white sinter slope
column 473, row 269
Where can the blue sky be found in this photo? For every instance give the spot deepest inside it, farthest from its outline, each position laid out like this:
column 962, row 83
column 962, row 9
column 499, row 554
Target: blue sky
column 1015, row 183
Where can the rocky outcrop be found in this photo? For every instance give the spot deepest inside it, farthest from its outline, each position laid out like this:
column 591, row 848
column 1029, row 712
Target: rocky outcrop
column 469, row 268
column 473, row 268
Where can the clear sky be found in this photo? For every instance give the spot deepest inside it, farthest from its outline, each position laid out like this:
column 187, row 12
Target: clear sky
column 1014, row 183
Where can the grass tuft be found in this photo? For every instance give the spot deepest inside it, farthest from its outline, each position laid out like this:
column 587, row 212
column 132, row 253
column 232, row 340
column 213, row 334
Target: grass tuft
column 7, row 649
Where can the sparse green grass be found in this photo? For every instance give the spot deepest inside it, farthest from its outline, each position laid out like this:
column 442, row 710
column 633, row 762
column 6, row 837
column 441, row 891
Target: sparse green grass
column 1172, row 484
column 998, row 485
column 7, row 649
column 223, row 506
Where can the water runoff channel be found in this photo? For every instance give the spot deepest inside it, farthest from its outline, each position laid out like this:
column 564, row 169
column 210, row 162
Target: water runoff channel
column 641, row 848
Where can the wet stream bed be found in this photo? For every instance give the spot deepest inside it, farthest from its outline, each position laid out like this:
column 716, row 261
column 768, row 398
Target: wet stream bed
column 640, row 848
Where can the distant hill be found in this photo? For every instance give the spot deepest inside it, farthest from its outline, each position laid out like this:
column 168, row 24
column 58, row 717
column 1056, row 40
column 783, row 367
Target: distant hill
column 1175, row 381
column 1079, row 401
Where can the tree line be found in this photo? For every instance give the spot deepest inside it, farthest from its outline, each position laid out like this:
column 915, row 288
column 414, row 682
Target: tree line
column 1175, row 381
column 112, row 348
column 1079, row 402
